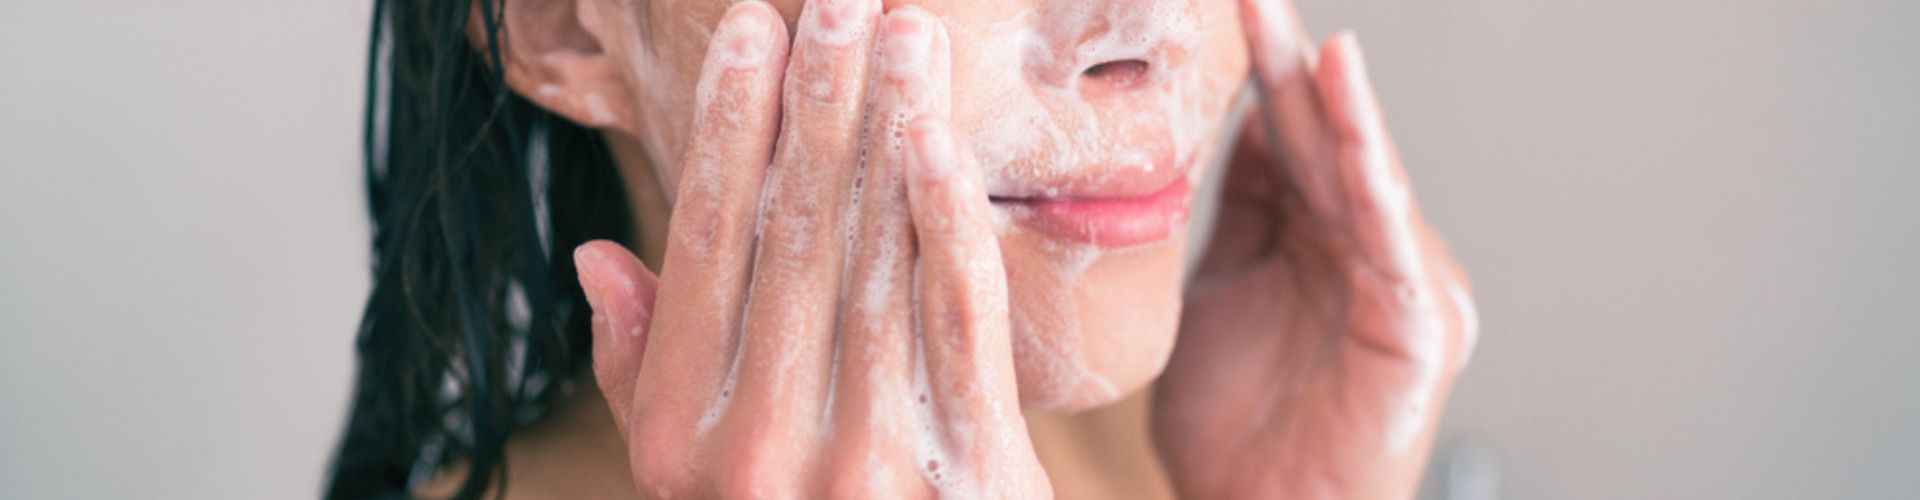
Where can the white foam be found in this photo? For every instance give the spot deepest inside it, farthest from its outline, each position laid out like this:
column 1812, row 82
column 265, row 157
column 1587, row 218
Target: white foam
column 1423, row 331
column 599, row 111
column 722, row 399
column 1469, row 322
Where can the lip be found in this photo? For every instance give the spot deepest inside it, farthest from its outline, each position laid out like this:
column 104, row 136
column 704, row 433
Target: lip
column 1106, row 221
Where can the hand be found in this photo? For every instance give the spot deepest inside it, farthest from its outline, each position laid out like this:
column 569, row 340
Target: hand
column 834, row 324
column 1326, row 324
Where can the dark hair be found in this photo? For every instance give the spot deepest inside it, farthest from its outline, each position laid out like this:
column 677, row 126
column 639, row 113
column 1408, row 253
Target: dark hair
column 475, row 324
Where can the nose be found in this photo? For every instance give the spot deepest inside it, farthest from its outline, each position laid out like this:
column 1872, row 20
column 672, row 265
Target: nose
column 1106, row 46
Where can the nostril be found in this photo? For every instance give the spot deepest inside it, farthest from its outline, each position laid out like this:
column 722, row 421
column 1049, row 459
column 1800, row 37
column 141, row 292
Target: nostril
column 1122, row 73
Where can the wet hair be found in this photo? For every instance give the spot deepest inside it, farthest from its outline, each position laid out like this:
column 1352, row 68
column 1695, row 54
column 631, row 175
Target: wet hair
column 475, row 324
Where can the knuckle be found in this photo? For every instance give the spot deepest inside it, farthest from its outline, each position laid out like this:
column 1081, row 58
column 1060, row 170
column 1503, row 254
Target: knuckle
column 958, row 322
column 725, row 100
column 702, row 224
column 818, row 82
column 794, row 226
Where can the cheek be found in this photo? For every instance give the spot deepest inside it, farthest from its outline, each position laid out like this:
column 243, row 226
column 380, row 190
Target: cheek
column 1089, row 326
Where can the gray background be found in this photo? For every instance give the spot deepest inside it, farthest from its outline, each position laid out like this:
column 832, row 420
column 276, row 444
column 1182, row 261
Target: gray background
column 1690, row 224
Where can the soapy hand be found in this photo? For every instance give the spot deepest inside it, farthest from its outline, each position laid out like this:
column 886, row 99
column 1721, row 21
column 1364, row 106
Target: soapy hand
column 1325, row 327
column 831, row 315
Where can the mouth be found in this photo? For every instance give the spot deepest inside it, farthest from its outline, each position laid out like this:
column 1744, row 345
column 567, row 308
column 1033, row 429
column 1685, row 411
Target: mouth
column 1123, row 210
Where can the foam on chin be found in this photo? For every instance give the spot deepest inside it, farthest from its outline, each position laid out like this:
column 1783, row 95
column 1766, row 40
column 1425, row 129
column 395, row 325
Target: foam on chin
column 1021, row 136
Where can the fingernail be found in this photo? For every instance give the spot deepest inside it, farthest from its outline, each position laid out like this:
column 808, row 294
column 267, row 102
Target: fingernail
column 932, row 147
column 746, row 36
column 585, row 260
column 839, row 22
column 1356, row 60
column 1366, row 107
column 909, row 40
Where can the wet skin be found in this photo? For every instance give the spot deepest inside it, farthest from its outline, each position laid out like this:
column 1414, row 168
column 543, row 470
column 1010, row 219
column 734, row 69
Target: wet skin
column 882, row 245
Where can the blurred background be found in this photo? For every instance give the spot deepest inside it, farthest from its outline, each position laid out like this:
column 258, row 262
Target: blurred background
column 1692, row 226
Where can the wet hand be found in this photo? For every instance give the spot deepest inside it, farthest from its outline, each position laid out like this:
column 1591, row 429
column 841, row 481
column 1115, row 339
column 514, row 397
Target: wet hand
column 1325, row 327
column 831, row 315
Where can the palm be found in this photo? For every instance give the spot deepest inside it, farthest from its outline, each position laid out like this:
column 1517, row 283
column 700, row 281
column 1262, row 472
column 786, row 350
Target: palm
column 1323, row 328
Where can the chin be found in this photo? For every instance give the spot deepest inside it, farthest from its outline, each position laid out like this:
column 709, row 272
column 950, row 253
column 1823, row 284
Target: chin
column 1091, row 325
column 1095, row 315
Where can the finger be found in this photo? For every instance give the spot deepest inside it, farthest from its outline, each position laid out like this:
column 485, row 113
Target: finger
column 874, row 390
column 1395, row 307
column 787, row 346
column 1380, row 201
column 1397, row 365
column 709, row 240
column 1283, row 62
column 621, row 291
column 962, row 295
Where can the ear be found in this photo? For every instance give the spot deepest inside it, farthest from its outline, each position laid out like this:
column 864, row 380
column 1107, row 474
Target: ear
column 553, row 55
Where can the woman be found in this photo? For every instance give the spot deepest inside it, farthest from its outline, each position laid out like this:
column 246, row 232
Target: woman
column 904, row 249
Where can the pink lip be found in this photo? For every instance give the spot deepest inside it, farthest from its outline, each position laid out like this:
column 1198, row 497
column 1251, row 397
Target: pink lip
column 1110, row 222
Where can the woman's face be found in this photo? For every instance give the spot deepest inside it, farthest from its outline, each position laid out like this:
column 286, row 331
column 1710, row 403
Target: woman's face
column 1090, row 120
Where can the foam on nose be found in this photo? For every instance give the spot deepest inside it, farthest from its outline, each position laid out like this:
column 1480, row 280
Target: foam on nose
column 1110, row 38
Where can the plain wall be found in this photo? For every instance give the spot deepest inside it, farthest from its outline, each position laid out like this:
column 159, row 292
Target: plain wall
column 1691, row 226
column 183, row 246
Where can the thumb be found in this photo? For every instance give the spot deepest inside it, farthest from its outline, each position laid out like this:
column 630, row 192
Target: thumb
column 621, row 291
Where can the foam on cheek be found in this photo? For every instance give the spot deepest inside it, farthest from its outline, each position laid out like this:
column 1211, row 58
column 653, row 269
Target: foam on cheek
column 1050, row 339
column 1210, row 178
column 1011, row 120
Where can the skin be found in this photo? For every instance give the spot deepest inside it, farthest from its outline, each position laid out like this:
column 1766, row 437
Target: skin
column 810, row 335
column 1085, row 333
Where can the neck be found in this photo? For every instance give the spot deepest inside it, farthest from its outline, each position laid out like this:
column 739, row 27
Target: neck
column 1105, row 452
column 646, row 196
